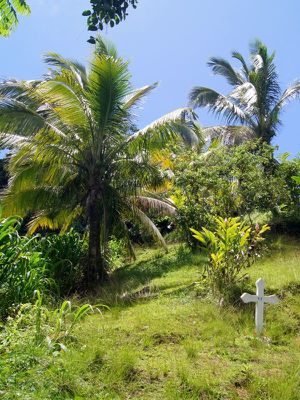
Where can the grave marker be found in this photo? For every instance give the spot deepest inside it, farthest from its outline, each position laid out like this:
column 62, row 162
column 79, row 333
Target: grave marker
column 260, row 299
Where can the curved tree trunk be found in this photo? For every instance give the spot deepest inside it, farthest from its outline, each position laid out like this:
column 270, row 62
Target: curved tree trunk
column 96, row 264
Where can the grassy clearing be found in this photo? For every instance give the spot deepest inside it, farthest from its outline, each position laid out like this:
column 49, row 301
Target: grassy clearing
column 165, row 338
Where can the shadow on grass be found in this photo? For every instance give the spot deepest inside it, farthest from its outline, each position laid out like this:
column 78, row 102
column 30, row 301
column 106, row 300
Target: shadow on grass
column 151, row 265
column 144, row 271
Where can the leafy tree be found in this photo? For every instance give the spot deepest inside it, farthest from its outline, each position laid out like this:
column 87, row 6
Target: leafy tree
column 252, row 109
column 77, row 153
column 107, row 12
column 9, row 10
column 231, row 182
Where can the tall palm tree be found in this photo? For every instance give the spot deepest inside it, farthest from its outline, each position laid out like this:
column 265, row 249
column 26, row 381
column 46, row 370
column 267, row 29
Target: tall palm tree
column 9, row 10
column 252, row 109
column 76, row 151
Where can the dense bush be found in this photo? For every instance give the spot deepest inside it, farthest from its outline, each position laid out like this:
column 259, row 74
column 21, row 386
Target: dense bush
column 235, row 181
column 232, row 247
column 286, row 219
column 65, row 257
column 53, row 265
column 23, row 269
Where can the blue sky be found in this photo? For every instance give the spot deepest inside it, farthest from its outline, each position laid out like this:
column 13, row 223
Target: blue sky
column 168, row 41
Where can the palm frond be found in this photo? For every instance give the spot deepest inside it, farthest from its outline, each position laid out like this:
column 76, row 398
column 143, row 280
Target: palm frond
column 179, row 123
column 165, row 207
column 257, row 62
column 105, row 47
column 202, row 96
column 21, row 7
column 239, row 57
column 16, row 117
column 229, row 134
column 149, row 226
column 222, row 106
column 219, row 66
column 17, row 90
column 62, row 63
column 109, row 84
column 62, row 220
column 8, row 14
column 68, row 104
column 291, row 93
column 12, row 141
column 246, row 96
column 42, row 221
column 137, row 95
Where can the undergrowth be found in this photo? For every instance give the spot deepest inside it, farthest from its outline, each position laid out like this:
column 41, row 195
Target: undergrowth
column 165, row 337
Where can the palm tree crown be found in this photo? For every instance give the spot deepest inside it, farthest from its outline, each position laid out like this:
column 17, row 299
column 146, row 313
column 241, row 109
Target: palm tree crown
column 252, row 109
column 76, row 152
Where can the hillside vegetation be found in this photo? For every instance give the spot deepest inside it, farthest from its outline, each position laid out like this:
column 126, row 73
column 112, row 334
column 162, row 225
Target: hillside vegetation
column 165, row 337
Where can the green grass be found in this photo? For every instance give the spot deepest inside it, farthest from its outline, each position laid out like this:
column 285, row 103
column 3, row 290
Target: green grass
column 165, row 338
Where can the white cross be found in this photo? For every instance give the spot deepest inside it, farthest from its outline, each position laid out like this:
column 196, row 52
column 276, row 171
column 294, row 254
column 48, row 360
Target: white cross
column 259, row 299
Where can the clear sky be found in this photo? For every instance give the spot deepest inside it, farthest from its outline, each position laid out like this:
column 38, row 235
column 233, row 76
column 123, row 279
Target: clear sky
column 168, row 41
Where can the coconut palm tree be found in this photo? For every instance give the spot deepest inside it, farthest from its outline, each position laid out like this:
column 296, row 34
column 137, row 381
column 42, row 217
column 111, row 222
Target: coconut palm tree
column 252, row 109
column 76, row 151
column 9, row 10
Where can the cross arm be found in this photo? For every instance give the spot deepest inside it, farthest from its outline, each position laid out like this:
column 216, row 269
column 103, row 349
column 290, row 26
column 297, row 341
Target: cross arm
column 271, row 299
column 249, row 298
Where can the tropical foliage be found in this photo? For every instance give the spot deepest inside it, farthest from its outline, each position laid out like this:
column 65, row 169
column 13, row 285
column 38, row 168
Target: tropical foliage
column 241, row 181
column 253, row 107
column 232, row 247
column 76, row 153
column 9, row 10
column 54, row 265
column 66, row 258
column 107, row 12
column 83, row 189
column 104, row 12
column 23, row 269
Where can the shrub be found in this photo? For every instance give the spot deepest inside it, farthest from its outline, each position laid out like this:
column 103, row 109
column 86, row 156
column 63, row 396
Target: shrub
column 232, row 247
column 53, row 265
column 65, row 257
column 117, row 253
column 23, row 269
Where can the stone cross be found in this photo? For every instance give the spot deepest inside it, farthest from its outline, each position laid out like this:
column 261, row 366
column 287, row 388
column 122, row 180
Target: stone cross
column 260, row 300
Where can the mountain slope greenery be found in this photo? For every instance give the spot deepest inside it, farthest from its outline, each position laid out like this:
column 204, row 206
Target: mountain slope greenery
column 165, row 337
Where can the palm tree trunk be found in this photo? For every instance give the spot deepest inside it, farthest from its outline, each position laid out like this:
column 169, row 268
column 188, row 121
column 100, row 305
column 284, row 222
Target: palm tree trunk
column 105, row 229
column 96, row 264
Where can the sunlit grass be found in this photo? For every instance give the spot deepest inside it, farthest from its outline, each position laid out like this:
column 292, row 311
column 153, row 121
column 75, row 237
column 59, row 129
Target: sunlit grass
column 171, row 341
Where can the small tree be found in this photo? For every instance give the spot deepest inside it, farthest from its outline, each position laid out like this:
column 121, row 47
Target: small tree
column 232, row 247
